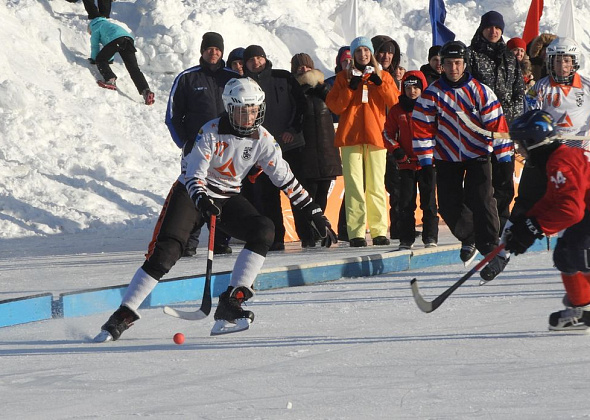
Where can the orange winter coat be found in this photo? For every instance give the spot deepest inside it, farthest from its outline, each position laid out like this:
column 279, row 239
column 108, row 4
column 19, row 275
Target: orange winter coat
column 361, row 123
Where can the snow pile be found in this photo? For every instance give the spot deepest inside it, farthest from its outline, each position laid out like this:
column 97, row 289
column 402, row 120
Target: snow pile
column 75, row 157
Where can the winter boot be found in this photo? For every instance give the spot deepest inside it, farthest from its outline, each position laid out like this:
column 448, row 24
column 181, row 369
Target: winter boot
column 570, row 319
column 381, row 241
column 108, row 84
column 230, row 305
column 118, row 322
column 148, row 97
column 494, row 267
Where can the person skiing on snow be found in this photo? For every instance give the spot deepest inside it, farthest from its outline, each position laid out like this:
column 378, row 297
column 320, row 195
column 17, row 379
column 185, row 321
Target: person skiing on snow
column 564, row 208
column 561, row 94
column 115, row 39
column 213, row 169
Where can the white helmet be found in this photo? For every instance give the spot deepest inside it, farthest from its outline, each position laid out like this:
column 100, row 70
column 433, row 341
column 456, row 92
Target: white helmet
column 243, row 93
column 562, row 46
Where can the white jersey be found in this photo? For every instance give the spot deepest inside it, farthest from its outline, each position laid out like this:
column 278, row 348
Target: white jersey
column 218, row 163
column 569, row 105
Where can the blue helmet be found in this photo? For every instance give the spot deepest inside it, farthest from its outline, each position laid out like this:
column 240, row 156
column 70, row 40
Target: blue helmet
column 533, row 130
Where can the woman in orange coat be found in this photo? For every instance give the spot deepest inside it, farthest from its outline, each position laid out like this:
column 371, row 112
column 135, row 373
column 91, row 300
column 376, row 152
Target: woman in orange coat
column 361, row 96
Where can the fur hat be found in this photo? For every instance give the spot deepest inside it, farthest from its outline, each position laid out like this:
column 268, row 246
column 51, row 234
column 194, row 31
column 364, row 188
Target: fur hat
column 299, row 60
column 211, row 39
column 433, row 51
column 516, row 43
column 253, row 51
column 492, row 18
column 361, row 41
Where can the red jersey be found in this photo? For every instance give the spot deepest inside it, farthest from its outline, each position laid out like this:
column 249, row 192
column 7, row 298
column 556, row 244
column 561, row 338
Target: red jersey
column 398, row 133
column 568, row 190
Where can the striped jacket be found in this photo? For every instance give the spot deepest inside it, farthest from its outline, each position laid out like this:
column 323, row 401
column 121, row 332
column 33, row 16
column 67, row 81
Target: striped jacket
column 440, row 134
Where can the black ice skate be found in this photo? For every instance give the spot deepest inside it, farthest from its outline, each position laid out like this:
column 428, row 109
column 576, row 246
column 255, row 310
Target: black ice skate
column 467, row 253
column 118, row 322
column 571, row 319
column 229, row 316
column 494, row 267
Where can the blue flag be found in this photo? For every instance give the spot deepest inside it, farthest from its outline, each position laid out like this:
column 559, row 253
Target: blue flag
column 438, row 14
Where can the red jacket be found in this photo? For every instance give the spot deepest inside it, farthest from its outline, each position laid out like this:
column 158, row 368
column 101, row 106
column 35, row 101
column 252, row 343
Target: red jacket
column 568, row 190
column 398, row 132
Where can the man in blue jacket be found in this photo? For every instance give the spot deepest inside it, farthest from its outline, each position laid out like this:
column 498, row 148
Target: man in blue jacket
column 115, row 39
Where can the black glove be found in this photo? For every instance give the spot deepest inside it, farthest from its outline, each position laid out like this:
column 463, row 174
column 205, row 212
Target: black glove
column 91, row 60
column 374, row 77
column 400, row 155
column 320, row 223
column 355, row 81
column 205, row 205
column 522, row 234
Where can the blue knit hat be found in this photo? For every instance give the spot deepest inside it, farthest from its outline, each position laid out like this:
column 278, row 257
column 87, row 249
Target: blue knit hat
column 492, row 18
column 361, row 41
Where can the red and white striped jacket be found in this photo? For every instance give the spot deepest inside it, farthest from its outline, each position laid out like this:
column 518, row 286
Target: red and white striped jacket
column 439, row 133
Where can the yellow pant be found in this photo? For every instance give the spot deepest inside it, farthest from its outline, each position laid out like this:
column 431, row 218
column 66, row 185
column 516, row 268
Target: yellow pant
column 363, row 168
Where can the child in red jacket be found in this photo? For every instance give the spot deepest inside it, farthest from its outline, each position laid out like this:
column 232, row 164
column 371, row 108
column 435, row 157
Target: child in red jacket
column 398, row 140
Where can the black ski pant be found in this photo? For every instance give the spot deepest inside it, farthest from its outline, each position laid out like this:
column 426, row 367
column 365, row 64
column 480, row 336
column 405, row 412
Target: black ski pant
column 503, row 183
column 103, row 9
column 393, row 187
column 572, row 252
column 410, row 182
column 466, row 201
column 126, row 49
column 179, row 216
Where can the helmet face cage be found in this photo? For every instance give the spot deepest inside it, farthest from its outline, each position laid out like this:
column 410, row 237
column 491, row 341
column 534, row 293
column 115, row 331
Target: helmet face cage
column 562, row 47
column 532, row 130
column 239, row 97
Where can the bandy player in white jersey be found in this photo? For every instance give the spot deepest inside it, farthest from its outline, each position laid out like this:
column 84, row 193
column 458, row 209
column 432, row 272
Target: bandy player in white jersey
column 564, row 93
column 213, row 167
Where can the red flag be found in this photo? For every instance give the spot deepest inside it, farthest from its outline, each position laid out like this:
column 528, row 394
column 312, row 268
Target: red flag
column 531, row 27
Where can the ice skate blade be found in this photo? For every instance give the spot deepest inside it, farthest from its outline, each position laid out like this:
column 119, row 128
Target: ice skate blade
column 581, row 329
column 103, row 336
column 222, row 326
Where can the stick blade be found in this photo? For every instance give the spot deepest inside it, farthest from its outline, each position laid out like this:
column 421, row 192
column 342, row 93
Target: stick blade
column 188, row 315
column 423, row 304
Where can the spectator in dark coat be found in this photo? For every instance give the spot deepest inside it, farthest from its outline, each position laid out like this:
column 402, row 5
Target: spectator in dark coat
column 536, row 52
column 387, row 53
column 285, row 104
column 195, row 98
column 235, row 60
column 433, row 69
column 495, row 66
column 322, row 158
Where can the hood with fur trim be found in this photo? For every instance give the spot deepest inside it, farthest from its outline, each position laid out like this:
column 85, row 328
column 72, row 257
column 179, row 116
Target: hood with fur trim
column 312, row 78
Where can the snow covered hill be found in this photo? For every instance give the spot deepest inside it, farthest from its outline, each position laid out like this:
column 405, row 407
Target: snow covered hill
column 74, row 157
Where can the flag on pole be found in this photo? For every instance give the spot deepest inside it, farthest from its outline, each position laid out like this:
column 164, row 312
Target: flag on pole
column 438, row 14
column 345, row 20
column 531, row 27
column 567, row 23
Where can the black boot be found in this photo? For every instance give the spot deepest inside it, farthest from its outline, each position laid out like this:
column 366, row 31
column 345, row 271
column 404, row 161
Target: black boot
column 230, row 304
column 119, row 321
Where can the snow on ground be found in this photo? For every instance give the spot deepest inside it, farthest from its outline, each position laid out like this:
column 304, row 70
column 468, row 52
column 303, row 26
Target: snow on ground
column 349, row 349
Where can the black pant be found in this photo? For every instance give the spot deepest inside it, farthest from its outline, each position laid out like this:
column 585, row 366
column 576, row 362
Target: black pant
column 179, row 217
column 103, row 9
column 466, row 201
column 503, row 183
column 126, row 49
column 410, row 181
column 392, row 186
column 572, row 252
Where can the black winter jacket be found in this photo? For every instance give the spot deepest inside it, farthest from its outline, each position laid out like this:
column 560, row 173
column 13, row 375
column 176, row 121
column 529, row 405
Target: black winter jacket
column 430, row 74
column 195, row 98
column 495, row 66
column 285, row 104
column 322, row 158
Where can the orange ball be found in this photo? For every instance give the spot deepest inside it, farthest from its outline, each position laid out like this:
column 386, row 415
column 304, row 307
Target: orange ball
column 178, row 338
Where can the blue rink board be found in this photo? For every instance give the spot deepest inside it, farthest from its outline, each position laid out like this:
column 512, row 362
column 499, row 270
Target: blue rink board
column 190, row 288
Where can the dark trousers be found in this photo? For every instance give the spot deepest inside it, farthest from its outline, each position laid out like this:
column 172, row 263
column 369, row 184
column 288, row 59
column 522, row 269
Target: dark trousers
column 126, row 49
column 466, row 201
column 103, row 9
column 503, row 183
column 572, row 252
column 410, row 181
column 392, row 186
column 179, row 217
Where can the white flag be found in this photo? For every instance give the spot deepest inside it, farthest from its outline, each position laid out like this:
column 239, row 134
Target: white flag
column 345, row 20
column 567, row 23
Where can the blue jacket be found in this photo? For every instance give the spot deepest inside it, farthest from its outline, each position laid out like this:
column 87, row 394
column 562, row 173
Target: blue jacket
column 104, row 32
